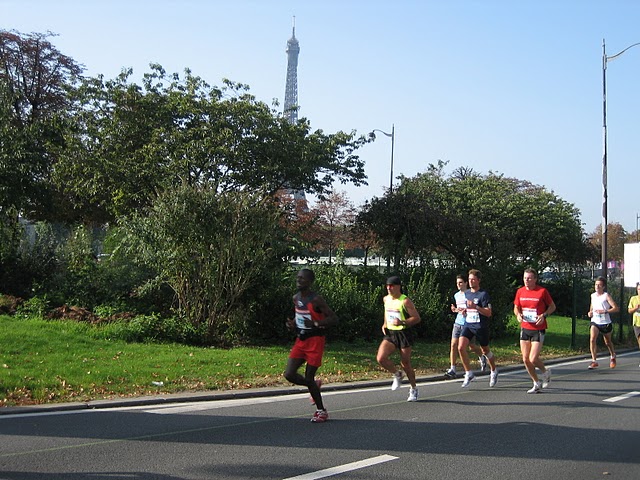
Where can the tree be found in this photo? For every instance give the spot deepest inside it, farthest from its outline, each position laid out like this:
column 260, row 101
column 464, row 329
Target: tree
column 34, row 79
column 335, row 215
column 36, row 75
column 477, row 220
column 298, row 221
column 616, row 238
column 363, row 236
column 135, row 141
column 389, row 220
column 633, row 237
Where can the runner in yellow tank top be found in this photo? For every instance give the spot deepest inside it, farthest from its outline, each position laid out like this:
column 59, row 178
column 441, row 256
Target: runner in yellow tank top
column 399, row 315
column 634, row 309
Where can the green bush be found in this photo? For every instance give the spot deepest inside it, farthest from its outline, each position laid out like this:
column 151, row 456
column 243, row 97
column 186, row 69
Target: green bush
column 119, row 277
column 265, row 309
column 356, row 297
column 152, row 328
column 431, row 302
column 570, row 294
column 12, row 278
column 35, row 307
column 27, row 260
column 357, row 303
column 210, row 248
column 79, row 266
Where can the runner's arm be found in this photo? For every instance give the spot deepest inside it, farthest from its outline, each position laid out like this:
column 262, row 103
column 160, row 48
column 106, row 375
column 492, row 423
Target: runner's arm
column 320, row 305
column 414, row 316
column 614, row 306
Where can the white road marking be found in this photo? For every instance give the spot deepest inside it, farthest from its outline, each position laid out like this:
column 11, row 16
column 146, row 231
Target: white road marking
column 214, row 404
column 328, row 472
column 621, row 397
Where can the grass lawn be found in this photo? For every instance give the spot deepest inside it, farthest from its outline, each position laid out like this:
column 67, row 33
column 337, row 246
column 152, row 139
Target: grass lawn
column 60, row 361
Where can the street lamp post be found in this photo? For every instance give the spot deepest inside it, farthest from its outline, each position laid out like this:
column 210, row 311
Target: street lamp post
column 391, row 135
column 605, row 59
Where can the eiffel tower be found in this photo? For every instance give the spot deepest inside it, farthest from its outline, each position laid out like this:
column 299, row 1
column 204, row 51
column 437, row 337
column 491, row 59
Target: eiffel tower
column 291, row 92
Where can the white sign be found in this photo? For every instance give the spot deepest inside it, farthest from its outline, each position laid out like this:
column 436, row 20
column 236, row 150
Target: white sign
column 631, row 264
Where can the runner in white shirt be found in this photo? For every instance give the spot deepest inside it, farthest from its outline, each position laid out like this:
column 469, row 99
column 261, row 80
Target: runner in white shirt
column 602, row 304
column 459, row 307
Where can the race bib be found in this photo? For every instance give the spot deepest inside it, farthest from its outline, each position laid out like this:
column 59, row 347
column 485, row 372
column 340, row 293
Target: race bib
column 300, row 320
column 530, row 315
column 392, row 317
column 472, row 316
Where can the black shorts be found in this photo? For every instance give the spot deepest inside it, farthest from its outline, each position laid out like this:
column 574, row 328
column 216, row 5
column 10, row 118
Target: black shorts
column 400, row 338
column 481, row 334
column 529, row 335
column 608, row 328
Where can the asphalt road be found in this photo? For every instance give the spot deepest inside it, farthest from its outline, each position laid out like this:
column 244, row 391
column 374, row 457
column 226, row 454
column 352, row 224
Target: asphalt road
column 586, row 425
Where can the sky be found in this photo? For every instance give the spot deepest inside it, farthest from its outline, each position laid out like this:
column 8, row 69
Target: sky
column 503, row 86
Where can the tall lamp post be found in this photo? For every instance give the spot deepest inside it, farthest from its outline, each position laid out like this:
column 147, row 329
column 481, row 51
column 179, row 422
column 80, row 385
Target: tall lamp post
column 605, row 59
column 391, row 135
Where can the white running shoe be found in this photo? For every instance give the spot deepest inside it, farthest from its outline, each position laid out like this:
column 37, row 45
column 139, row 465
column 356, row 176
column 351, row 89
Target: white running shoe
column 397, row 380
column 493, row 378
column 537, row 388
column 546, row 378
column 468, row 378
column 413, row 395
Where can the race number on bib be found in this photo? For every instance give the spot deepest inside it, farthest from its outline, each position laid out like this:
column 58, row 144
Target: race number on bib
column 472, row 316
column 392, row 317
column 300, row 320
column 530, row 315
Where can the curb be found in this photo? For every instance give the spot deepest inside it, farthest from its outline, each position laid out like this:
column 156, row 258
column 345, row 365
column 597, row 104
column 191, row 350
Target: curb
column 173, row 398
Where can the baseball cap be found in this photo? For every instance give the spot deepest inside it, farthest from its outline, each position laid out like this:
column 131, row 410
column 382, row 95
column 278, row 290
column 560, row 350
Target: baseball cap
column 394, row 280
